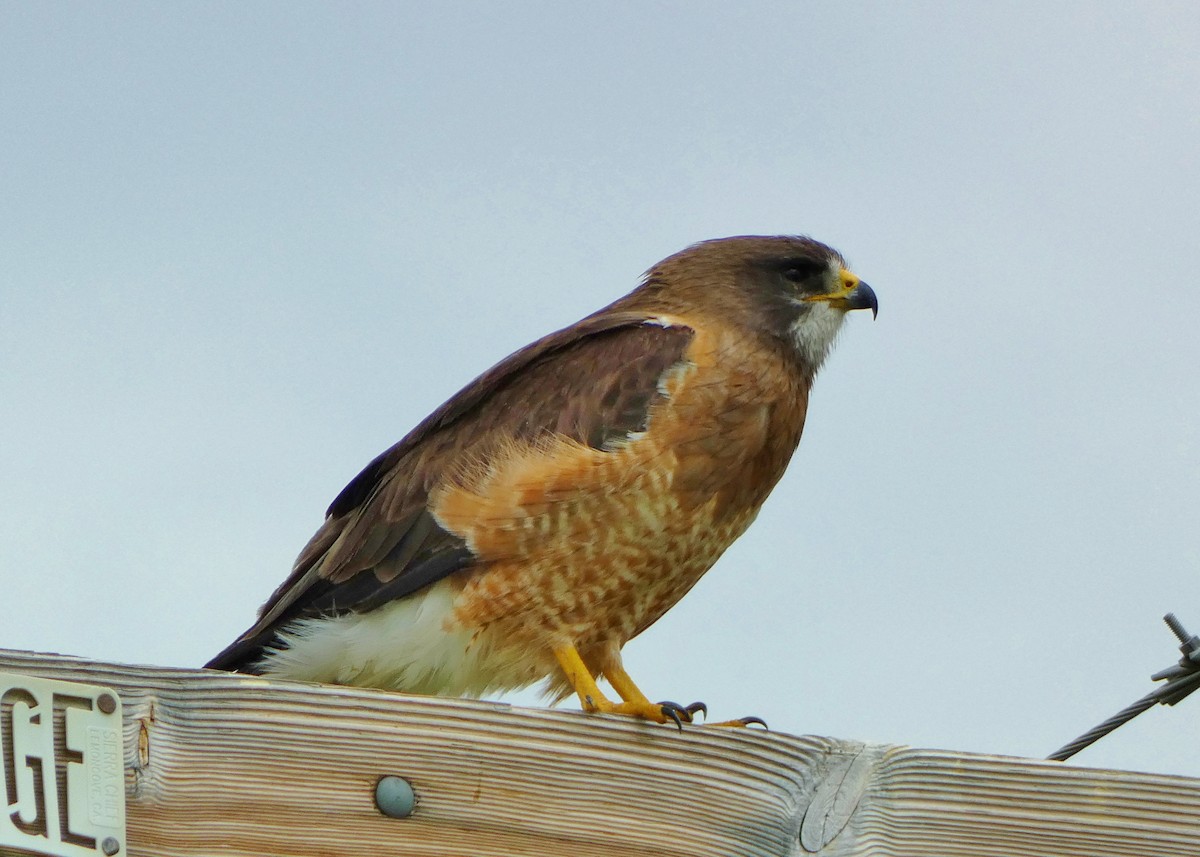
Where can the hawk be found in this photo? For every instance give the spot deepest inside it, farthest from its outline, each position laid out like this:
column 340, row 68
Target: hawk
column 560, row 503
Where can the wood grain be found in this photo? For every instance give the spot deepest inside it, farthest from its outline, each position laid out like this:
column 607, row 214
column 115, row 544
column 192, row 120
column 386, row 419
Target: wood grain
column 236, row 765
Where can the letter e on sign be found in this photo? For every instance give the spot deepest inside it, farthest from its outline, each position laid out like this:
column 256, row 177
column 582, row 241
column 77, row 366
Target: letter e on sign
column 62, row 772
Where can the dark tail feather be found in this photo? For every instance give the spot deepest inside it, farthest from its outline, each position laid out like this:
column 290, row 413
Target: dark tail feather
column 242, row 655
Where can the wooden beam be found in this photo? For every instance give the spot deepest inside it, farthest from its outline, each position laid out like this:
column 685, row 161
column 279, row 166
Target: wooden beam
column 242, row 766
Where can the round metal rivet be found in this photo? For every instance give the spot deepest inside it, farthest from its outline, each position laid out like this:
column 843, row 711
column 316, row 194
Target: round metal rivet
column 395, row 797
column 110, row 845
column 107, row 703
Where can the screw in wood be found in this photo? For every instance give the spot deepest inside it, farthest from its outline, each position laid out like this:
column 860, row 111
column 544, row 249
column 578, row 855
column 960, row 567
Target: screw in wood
column 110, row 845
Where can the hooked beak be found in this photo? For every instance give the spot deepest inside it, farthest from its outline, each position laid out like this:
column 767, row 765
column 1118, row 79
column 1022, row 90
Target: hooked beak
column 852, row 293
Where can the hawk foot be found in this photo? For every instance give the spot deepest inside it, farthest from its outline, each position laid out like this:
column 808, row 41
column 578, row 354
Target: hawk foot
column 656, row 712
column 681, row 714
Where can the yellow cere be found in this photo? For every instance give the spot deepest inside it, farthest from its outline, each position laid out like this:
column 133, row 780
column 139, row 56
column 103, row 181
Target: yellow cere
column 847, row 280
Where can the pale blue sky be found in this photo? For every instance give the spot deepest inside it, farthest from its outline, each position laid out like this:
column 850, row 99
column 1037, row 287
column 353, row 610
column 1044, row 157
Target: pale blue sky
column 244, row 248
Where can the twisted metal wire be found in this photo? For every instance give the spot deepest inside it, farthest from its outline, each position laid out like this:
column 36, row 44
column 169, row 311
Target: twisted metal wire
column 1182, row 679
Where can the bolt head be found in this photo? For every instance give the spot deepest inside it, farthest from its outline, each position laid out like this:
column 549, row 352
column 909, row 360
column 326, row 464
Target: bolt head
column 394, row 797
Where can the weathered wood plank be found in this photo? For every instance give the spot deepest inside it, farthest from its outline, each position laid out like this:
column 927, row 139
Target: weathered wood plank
column 242, row 766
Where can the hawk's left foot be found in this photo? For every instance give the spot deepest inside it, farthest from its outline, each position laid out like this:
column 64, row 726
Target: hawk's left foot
column 633, row 702
column 655, row 712
column 682, row 714
column 624, row 685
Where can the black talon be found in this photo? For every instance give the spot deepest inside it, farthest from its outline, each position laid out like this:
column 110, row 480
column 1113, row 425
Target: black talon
column 672, row 710
column 696, row 707
column 746, row 721
column 679, row 713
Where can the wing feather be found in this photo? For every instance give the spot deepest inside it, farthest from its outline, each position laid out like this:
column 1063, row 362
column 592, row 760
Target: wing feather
column 594, row 382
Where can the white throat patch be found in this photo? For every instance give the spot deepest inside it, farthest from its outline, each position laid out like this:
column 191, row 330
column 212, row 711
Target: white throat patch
column 814, row 332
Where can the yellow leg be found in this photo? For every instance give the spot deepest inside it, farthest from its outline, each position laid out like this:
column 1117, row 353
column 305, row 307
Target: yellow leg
column 623, row 684
column 591, row 699
column 631, row 693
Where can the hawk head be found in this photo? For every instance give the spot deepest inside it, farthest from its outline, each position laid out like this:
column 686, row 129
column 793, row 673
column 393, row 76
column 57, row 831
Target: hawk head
column 792, row 288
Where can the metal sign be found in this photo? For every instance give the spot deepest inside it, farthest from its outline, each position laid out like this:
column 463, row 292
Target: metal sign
column 63, row 769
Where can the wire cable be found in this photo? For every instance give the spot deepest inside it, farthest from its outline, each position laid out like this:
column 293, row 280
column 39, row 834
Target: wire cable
column 1181, row 680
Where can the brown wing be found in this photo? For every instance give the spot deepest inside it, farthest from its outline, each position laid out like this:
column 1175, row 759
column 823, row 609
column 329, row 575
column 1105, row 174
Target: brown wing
column 594, row 382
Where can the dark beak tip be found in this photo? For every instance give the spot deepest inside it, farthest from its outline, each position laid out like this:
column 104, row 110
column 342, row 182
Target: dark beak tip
column 864, row 298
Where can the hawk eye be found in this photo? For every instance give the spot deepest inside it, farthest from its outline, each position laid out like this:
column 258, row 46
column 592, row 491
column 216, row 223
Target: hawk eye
column 799, row 270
